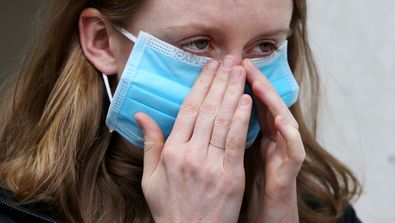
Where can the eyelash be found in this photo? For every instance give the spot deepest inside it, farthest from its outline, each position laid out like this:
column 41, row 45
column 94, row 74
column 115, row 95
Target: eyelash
column 272, row 49
column 203, row 51
column 185, row 46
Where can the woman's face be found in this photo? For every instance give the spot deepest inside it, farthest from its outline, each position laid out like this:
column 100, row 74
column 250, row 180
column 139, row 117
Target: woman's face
column 212, row 28
column 241, row 28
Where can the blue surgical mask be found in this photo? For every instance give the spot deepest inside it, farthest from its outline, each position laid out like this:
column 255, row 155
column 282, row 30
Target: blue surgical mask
column 158, row 76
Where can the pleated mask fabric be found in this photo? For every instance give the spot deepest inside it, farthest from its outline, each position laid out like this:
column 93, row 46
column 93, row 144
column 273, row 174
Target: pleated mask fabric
column 158, row 76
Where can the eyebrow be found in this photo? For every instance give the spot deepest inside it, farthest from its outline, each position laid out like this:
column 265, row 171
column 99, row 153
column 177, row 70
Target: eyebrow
column 214, row 27
column 286, row 31
column 193, row 26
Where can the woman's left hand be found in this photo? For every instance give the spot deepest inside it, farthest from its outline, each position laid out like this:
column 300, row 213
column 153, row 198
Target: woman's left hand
column 274, row 193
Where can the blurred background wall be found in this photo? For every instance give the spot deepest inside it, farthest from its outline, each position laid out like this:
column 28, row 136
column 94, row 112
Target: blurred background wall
column 354, row 43
column 16, row 23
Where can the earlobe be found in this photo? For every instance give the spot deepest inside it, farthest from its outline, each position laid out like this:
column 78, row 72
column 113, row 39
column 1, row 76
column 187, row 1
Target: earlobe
column 95, row 41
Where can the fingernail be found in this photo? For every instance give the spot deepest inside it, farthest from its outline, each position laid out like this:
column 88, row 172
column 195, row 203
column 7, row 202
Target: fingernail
column 244, row 100
column 235, row 73
column 212, row 65
column 228, row 62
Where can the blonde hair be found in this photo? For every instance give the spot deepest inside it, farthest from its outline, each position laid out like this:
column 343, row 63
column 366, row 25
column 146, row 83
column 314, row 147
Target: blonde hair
column 55, row 148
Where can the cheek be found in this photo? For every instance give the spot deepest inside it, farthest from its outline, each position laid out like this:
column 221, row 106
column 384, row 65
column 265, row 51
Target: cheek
column 122, row 57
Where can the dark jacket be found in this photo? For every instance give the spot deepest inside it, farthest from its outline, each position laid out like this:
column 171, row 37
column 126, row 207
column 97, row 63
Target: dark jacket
column 12, row 212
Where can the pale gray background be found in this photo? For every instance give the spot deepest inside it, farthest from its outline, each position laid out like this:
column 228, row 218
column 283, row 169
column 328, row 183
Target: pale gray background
column 354, row 43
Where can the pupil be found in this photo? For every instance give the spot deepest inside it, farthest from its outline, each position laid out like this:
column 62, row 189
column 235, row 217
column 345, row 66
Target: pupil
column 201, row 44
column 265, row 47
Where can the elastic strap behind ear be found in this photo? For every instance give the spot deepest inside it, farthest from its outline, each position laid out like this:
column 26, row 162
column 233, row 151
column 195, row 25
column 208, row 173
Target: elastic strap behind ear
column 107, row 85
column 126, row 34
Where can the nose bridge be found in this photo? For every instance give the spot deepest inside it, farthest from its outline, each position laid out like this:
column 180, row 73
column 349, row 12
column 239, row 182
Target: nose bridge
column 236, row 54
column 237, row 57
column 234, row 46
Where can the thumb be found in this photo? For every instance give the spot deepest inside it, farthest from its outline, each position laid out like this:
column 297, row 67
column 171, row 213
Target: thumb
column 153, row 142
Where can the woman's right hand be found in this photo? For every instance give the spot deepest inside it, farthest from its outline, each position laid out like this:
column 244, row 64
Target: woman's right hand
column 197, row 175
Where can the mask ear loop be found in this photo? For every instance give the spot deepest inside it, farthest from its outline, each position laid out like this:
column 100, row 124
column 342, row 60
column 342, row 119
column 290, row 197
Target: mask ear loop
column 126, row 34
column 132, row 38
column 107, row 85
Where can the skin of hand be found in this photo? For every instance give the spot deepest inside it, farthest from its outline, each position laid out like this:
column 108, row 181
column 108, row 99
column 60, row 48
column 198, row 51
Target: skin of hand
column 197, row 174
column 274, row 196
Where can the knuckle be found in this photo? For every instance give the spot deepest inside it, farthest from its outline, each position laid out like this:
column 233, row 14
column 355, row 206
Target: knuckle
column 294, row 136
column 227, row 185
column 234, row 142
column 233, row 154
column 299, row 158
column 222, row 77
column 209, row 175
column 281, row 186
column 208, row 109
column 266, row 84
column 234, row 185
column 189, row 108
column 222, row 122
column 150, row 144
column 168, row 156
column 299, row 154
column 269, row 86
column 189, row 166
column 217, row 139
column 204, row 81
column 242, row 116
column 233, row 91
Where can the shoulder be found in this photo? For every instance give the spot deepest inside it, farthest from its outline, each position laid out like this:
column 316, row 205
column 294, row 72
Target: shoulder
column 349, row 216
column 12, row 211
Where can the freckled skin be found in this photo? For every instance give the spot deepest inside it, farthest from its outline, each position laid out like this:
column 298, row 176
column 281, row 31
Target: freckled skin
column 231, row 23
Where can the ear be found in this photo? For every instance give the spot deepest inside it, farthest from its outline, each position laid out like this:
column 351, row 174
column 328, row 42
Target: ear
column 95, row 41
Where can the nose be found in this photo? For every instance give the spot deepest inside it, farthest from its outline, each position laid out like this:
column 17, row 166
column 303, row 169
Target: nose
column 237, row 59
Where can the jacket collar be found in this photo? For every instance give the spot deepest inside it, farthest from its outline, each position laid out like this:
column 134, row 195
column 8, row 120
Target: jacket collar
column 36, row 211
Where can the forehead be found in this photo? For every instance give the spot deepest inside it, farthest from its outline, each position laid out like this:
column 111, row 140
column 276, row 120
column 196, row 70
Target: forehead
column 225, row 14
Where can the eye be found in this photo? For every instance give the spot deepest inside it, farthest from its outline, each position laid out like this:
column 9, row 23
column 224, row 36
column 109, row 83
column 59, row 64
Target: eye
column 199, row 45
column 267, row 47
column 263, row 49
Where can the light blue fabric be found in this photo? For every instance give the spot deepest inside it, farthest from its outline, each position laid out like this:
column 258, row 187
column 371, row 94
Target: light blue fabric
column 158, row 76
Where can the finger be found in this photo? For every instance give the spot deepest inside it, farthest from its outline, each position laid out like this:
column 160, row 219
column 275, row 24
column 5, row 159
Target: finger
column 265, row 149
column 276, row 153
column 266, row 120
column 270, row 156
column 188, row 112
column 211, row 104
column 295, row 153
column 236, row 138
column 153, row 143
column 277, row 163
column 231, row 98
column 265, row 92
